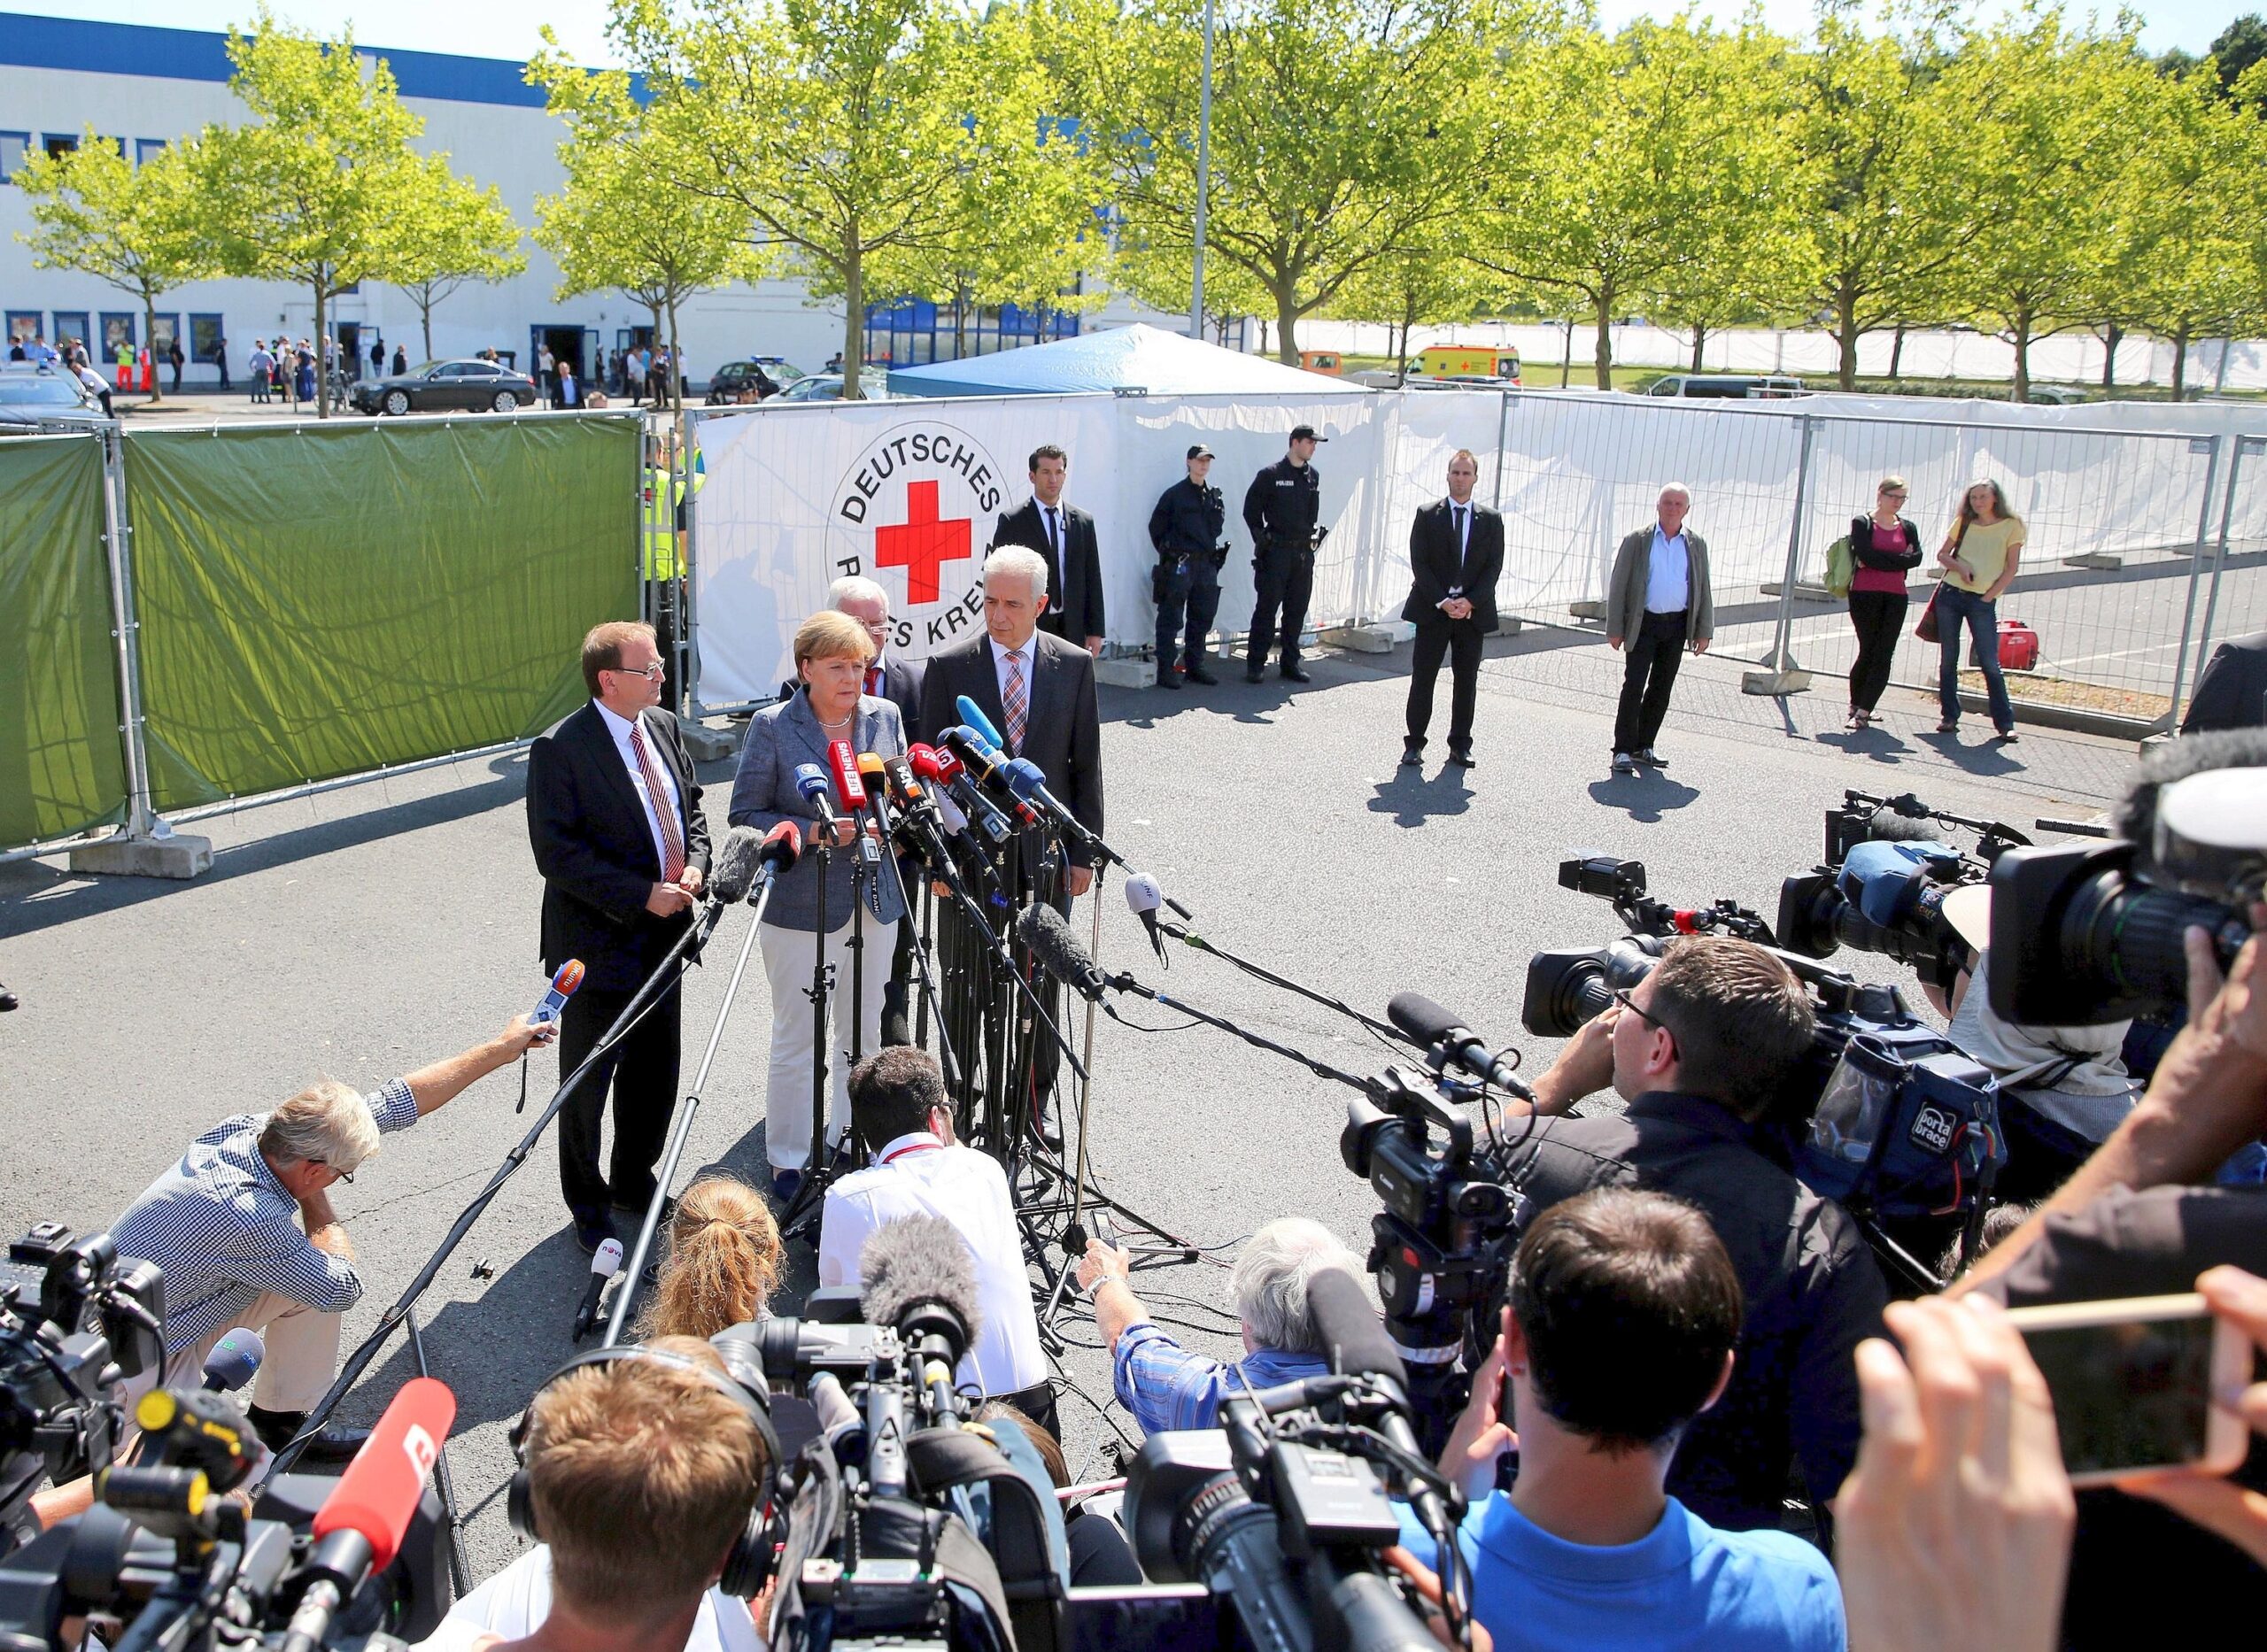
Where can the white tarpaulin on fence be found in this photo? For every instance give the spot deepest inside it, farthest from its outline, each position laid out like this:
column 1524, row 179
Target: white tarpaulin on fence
column 909, row 492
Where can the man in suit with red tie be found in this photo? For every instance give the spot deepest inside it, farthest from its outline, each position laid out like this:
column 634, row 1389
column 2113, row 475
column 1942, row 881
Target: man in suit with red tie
column 1456, row 552
column 1064, row 537
column 613, row 813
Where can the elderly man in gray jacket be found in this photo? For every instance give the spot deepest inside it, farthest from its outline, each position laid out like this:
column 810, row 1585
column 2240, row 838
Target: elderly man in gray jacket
column 1658, row 605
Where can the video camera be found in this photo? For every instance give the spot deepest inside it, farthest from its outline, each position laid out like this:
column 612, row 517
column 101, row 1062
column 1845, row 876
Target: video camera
column 1882, row 886
column 2092, row 932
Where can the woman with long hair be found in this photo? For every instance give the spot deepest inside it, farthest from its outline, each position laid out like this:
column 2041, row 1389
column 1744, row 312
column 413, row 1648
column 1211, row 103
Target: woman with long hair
column 1979, row 558
column 724, row 1261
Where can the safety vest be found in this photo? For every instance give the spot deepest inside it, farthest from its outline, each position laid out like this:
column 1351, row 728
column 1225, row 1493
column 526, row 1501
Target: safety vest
column 661, row 558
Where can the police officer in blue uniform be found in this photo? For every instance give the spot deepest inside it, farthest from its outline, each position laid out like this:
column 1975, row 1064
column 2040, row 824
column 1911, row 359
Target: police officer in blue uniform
column 1283, row 509
column 1185, row 529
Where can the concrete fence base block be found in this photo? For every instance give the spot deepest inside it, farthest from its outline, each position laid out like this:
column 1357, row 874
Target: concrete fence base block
column 1806, row 590
column 2102, row 560
column 175, row 856
column 704, row 744
column 1791, row 681
column 1587, row 610
column 1378, row 637
column 1125, row 673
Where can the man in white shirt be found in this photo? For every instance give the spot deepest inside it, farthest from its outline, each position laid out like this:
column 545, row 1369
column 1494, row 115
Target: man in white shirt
column 899, row 1110
column 1657, row 603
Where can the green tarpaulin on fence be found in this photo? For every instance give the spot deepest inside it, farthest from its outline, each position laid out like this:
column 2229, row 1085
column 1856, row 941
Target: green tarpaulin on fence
column 62, row 768
column 321, row 601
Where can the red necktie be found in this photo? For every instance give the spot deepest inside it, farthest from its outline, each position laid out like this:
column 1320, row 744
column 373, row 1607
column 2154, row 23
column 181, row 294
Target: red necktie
column 664, row 816
column 873, row 679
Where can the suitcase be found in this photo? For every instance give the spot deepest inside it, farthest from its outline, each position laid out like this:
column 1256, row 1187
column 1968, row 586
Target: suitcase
column 2018, row 646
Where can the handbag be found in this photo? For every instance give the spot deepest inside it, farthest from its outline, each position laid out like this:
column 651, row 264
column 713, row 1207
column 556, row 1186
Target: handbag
column 1840, row 567
column 1924, row 629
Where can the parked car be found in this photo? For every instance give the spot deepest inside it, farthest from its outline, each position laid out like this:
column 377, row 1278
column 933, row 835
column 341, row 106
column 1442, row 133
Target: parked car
column 1482, row 363
column 827, row 386
column 1324, row 361
column 728, row 382
column 1729, row 386
column 444, row 386
column 29, row 393
column 2057, row 395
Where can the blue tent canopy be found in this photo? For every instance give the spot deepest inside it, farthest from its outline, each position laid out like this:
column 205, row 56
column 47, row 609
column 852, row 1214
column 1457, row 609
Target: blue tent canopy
column 1124, row 357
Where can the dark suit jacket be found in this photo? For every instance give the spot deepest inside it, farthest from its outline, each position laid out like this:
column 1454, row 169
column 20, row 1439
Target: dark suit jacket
column 1437, row 565
column 1061, row 730
column 596, row 852
column 1074, row 592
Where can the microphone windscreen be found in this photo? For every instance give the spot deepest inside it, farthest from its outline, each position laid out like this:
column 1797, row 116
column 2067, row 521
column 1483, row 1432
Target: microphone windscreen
column 972, row 714
column 925, row 762
column 1886, row 825
column 1025, row 778
column 1353, row 1339
column 569, row 977
column 810, row 780
column 734, row 869
column 378, row 1495
column 783, row 846
column 871, row 770
column 1047, row 933
column 235, row 1360
column 608, row 1262
column 916, row 1262
column 1142, row 893
column 844, row 761
column 1423, row 1020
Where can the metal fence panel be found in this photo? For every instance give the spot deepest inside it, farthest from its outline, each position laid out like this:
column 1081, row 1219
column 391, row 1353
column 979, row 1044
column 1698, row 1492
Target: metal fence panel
column 62, row 768
column 334, row 599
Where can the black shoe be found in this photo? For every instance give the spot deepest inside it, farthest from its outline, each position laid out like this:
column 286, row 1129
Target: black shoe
column 1198, row 673
column 1169, row 679
column 1413, row 753
column 592, row 1231
column 277, row 1430
column 669, row 1210
column 1463, row 759
column 1255, row 673
column 1297, row 674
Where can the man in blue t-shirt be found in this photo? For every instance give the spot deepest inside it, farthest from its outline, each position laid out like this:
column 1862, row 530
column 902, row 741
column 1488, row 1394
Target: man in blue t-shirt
column 1623, row 1313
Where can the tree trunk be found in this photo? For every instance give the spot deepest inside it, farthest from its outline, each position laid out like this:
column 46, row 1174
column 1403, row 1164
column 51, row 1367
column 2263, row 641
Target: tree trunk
column 1566, row 355
column 323, row 352
column 2111, row 335
column 1286, row 324
column 853, row 326
column 150, row 332
column 677, row 366
column 1603, row 356
column 2180, row 362
column 2022, row 392
column 1846, row 334
column 1896, row 352
column 1699, row 341
column 425, row 315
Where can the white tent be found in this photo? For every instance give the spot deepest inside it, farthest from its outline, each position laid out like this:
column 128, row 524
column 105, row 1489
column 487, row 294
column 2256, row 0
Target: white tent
column 1124, row 357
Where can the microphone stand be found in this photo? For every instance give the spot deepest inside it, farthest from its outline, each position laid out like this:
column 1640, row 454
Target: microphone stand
column 681, row 1130
column 1189, row 938
column 1123, row 982
column 820, row 1158
column 681, row 956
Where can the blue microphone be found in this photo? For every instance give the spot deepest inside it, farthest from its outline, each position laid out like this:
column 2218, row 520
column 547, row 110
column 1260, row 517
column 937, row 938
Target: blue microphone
column 813, row 782
column 972, row 714
column 1028, row 781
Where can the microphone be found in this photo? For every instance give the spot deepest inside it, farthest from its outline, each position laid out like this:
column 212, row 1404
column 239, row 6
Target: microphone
column 735, row 866
column 1427, row 1024
column 1143, row 897
column 986, row 765
column 359, row 1530
column 782, row 847
column 235, row 1357
column 1355, row 1342
column 842, row 759
column 1046, row 934
column 1028, row 781
column 947, row 770
column 811, row 781
column 604, row 1266
column 972, row 714
column 562, row 988
column 916, row 1276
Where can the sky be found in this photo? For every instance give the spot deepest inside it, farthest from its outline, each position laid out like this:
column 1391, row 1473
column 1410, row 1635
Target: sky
column 507, row 28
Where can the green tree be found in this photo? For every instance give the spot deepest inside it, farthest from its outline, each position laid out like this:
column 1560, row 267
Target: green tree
column 1426, row 282
column 870, row 143
column 2240, row 45
column 1341, row 130
column 448, row 231
column 615, row 227
column 135, row 228
column 1647, row 150
column 308, row 191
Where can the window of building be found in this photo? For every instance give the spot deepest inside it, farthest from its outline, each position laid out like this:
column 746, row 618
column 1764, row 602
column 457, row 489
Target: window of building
column 13, row 146
column 23, row 325
column 58, row 142
column 147, row 150
column 118, row 328
column 205, row 336
column 163, row 327
column 68, row 324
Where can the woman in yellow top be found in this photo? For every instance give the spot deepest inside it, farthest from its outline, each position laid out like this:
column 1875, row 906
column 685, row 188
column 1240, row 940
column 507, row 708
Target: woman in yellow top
column 1979, row 558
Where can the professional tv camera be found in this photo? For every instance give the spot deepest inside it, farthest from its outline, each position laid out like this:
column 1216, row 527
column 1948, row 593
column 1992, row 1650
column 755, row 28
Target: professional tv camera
column 1882, row 888
column 2092, row 932
column 1887, row 1115
column 75, row 1322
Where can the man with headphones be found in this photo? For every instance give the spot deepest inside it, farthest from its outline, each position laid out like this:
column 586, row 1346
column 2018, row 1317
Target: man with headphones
column 661, row 1428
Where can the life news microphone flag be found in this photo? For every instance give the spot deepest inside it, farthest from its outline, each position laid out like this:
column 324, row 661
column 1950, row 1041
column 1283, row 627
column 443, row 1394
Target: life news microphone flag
column 842, row 757
column 562, row 988
column 359, row 1530
column 972, row 714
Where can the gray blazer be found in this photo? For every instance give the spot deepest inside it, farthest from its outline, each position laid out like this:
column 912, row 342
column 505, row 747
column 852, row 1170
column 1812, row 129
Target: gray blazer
column 1625, row 596
column 780, row 739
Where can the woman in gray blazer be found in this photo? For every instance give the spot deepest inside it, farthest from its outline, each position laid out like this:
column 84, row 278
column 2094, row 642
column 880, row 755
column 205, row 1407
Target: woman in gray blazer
column 832, row 653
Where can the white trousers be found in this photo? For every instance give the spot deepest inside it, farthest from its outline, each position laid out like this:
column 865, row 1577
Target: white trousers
column 787, row 956
column 300, row 1359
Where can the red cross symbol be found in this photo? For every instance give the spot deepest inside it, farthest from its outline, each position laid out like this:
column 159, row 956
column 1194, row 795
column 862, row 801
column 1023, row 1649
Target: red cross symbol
column 921, row 542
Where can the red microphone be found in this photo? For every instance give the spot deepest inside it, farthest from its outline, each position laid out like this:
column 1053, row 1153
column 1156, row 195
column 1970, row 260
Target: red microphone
column 783, row 846
column 926, row 762
column 842, row 759
column 562, row 988
column 358, row 1529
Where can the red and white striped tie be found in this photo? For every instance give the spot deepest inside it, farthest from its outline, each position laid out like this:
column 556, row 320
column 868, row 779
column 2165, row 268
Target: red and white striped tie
column 1016, row 703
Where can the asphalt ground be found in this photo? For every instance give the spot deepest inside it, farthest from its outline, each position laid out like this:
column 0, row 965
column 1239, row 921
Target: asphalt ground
column 369, row 931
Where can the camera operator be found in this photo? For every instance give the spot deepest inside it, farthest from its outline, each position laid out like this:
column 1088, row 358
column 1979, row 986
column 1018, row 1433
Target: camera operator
column 1167, row 1386
column 1700, row 1050
column 641, row 1476
column 1619, row 1332
column 219, row 1224
column 900, row 1109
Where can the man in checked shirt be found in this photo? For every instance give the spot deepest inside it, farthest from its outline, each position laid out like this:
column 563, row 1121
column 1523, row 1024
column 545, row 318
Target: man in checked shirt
column 221, row 1225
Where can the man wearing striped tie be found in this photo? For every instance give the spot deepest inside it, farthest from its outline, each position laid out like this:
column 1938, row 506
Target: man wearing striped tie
column 613, row 813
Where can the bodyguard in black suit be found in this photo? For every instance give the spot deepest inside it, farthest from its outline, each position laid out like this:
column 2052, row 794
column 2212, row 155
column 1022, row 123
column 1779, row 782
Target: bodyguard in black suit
column 1063, row 535
column 621, row 878
column 1455, row 553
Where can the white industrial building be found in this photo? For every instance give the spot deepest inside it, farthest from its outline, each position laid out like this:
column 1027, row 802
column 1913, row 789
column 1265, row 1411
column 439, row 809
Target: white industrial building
column 143, row 87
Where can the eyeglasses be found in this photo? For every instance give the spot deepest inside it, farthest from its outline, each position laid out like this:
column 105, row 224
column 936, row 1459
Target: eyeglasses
column 1630, row 1004
column 652, row 673
column 346, row 1176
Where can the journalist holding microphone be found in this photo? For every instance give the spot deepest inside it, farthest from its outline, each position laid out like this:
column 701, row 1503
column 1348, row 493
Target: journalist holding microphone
column 831, row 652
